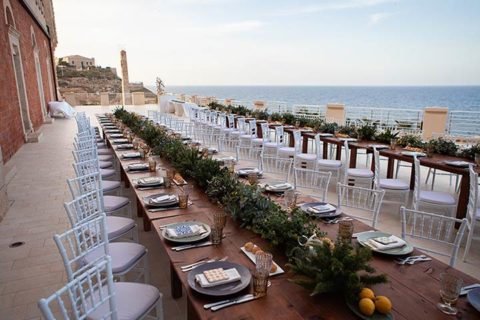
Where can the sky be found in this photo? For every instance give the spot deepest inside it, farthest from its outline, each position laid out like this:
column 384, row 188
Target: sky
column 278, row 42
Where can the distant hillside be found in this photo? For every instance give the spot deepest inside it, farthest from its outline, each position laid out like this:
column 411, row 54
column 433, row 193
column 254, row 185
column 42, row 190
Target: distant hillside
column 93, row 80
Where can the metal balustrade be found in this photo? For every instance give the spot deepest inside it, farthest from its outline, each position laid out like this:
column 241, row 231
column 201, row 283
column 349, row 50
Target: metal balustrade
column 463, row 123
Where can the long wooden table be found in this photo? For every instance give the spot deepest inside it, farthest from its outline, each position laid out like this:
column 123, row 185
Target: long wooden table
column 414, row 290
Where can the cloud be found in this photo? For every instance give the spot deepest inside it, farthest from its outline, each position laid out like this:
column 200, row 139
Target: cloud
column 378, row 17
column 332, row 6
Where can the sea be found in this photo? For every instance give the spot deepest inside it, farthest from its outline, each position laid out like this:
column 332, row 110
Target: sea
column 465, row 98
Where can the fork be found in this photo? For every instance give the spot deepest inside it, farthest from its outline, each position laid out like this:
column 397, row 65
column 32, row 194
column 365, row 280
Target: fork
column 411, row 260
column 204, row 260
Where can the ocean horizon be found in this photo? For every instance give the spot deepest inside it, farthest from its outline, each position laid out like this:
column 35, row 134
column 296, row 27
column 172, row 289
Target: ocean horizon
column 408, row 97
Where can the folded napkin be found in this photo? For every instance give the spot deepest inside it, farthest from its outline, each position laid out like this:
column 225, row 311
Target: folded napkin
column 248, row 171
column 149, row 181
column 386, row 243
column 137, row 166
column 185, row 231
column 116, row 135
column 131, row 155
column 120, row 140
column 281, row 186
column 164, row 198
column 232, row 275
column 327, row 207
column 125, row 146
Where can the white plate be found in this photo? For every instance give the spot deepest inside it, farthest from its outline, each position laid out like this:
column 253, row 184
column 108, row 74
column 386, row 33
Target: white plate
column 251, row 256
column 460, row 164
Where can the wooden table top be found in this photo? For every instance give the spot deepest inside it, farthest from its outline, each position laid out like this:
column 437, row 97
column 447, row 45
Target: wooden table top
column 413, row 290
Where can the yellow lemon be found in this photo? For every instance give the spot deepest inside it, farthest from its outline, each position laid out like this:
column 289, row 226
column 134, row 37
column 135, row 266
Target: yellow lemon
column 366, row 293
column 366, row 306
column 383, row 304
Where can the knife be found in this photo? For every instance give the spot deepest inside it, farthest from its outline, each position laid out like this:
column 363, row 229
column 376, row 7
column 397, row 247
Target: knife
column 191, row 246
column 231, row 303
column 355, row 235
column 209, row 305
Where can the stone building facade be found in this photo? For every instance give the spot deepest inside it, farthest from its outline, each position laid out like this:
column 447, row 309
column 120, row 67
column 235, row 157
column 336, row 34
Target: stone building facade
column 27, row 81
column 79, row 62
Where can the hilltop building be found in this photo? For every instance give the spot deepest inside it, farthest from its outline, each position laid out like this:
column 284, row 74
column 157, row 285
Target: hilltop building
column 79, row 62
column 27, row 42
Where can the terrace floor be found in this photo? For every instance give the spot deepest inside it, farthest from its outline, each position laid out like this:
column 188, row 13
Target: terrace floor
column 37, row 192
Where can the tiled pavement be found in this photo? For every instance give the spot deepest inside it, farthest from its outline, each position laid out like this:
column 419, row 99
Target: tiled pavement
column 37, row 193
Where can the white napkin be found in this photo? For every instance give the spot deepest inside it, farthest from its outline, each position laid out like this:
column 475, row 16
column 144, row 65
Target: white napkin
column 138, row 165
column 131, row 155
column 149, row 181
column 125, row 146
column 120, row 140
column 321, row 208
column 248, row 171
column 382, row 247
column 164, row 198
column 232, row 274
column 281, row 186
column 185, row 231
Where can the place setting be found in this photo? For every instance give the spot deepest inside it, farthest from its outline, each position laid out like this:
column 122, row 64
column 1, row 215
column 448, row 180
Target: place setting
column 325, row 211
column 120, row 141
column 388, row 244
column 131, row 155
column 276, row 187
column 138, row 167
column 165, row 201
column 149, row 183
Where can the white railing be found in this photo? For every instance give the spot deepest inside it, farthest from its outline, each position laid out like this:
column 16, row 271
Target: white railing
column 463, row 123
column 387, row 117
column 309, row 111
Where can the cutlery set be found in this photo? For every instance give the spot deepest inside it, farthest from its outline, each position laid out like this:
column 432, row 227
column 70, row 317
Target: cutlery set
column 412, row 260
column 337, row 220
column 189, row 267
column 230, row 302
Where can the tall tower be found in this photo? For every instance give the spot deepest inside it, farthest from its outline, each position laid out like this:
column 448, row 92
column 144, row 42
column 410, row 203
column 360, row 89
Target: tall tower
column 125, row 88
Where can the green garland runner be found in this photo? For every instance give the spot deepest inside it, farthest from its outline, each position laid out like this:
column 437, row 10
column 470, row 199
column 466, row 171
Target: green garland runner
column 246, row 204
column 325, row 271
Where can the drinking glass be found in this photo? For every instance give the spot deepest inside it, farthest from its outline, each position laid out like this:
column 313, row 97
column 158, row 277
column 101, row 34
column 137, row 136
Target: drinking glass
column 216, row 234
column 219, row 219
column 183, row 200
column 263, row 264
column 345, row 230
column 253, row 178
column 171, row 174
column 290, row 198
column 152, row 164
column 450, row 286
column 167, row 183
column 477, row 159
column 263, row 261
column 393, row 144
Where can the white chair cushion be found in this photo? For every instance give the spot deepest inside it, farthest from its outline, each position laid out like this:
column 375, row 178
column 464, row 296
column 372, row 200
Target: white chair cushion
column 360, row 173
column 124, row 255
column 109, row 185
column 105, row 157
column 105, row 164
column 306, row 156
column 257, row 141
column 118, row 226
column 272, row 145
column 437, row 197
column 113, row 203
column 394, row 184
column 101, row 145
column 329, row 163
column 133, row 300
column 104, row 152
column 287, row 150
column 105, row 173
column 477, row 214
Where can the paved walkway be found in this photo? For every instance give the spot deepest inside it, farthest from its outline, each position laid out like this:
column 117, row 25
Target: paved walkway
column 37, row 193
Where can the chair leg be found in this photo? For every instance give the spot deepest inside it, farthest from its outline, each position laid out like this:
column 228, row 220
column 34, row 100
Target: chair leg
column 146, row 268
column 433, row 178
column 159, row 308
column 135, row 234
column 469, row 243
column 396, row 169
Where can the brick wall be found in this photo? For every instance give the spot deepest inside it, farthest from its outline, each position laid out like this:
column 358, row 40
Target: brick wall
column 11, row 132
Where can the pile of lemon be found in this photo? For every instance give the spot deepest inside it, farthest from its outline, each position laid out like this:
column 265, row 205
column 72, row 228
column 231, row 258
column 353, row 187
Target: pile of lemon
column 369, row 303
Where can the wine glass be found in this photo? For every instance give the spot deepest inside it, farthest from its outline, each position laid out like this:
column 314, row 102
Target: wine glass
column 450, row 286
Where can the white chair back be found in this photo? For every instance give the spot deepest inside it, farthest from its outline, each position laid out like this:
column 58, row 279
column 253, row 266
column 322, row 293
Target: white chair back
column 435, row 228
column 275, row 165
column 83, row 295
column 297, row 141
column 86, row 167
column 252, row 126
column 473, row 196
column 366, row 200
column 316, row 181
column 75, row 244
column 280, row 135
column 84, row 208
column 265, row 131
column 85, row 154
column 416, row 184
column 318, row 146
